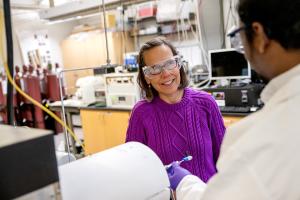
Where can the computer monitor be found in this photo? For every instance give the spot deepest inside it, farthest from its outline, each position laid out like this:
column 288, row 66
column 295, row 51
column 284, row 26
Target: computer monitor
column 228, row 64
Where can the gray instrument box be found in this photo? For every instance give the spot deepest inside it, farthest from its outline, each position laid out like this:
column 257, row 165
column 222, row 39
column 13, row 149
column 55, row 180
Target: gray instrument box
column 28, row 160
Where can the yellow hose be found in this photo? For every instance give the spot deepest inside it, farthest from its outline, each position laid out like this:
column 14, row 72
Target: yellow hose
column 26, row 95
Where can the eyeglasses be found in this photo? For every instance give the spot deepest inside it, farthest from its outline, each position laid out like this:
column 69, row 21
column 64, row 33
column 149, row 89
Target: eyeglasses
column 235, row 38
column 169, row 64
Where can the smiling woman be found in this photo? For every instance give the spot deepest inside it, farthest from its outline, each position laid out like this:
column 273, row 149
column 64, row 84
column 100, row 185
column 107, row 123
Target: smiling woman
column 175, row 121
column 165, row 79
column 155, row 56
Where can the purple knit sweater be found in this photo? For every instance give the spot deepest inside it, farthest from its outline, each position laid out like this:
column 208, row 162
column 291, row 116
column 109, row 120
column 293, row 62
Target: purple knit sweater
column 194, row 126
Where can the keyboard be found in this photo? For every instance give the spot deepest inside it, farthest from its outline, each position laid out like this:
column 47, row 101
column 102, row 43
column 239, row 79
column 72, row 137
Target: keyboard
column 235, row 109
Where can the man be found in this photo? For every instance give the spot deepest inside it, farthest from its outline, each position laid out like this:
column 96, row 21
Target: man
column 259, row 156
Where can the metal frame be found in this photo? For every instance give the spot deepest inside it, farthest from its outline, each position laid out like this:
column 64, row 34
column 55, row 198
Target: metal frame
column 63, row 114
column 80, row 69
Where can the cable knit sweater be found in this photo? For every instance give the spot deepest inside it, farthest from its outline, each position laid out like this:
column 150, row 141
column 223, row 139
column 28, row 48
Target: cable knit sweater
column 194, row 126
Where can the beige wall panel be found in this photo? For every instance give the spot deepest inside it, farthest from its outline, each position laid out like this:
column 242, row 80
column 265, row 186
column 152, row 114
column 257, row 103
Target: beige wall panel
column 91, row 52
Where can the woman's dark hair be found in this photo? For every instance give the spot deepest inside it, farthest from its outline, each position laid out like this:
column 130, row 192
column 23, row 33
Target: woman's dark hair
column 150, row 92
column 280, row 19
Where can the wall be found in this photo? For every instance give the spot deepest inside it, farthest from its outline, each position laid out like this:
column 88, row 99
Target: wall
column 56, row 34
column 88, row 49
column 211, row 23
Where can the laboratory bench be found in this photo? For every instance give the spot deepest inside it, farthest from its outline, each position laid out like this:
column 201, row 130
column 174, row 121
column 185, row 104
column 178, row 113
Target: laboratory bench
column 231, row 118
column 105, row 127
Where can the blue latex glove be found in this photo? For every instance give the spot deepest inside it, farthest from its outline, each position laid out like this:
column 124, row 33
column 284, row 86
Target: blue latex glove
column 176, row 174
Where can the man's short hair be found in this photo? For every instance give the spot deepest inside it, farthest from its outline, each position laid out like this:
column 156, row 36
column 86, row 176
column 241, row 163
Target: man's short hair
column 280, row 19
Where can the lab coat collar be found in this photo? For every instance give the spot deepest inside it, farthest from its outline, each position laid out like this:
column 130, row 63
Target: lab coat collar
column 279, row 82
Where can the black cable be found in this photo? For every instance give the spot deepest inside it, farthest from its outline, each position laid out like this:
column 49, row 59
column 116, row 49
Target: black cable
column 228, row 16
column 124, row 31
column 105, row 31
column 10, row 61
column 222, row 32
column 227, row 22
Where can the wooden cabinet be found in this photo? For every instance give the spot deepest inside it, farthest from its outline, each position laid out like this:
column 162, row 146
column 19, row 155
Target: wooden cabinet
column 103, row 129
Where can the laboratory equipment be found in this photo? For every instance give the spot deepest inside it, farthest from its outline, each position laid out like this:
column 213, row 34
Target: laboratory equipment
column 227, row 64
column 28, row 162
column 105, row 69
column 91, row 89
column 128, row 171
column 199, row 73
column 246, row 96
column 130, row 61
column 122, row 90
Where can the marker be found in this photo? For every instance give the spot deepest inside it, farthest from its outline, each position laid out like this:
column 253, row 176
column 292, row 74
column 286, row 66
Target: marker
column 187, row 158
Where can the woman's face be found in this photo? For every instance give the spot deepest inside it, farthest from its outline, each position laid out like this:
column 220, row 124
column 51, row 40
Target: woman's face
column 167, row 82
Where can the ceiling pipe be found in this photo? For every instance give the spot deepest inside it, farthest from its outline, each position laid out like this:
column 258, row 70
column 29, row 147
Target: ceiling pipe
column 18, row 6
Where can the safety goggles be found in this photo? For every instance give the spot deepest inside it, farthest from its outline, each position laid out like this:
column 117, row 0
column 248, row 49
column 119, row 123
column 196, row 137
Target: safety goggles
column 235, row 38
column 169, row 64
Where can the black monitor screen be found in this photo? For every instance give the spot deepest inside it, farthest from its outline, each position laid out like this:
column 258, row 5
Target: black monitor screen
column 228, row 64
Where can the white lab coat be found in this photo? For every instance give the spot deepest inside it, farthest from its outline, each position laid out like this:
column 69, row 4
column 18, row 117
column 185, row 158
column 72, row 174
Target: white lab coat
column 260, row 154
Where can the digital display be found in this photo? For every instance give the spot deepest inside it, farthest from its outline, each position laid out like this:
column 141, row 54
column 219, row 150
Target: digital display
column 228, row 64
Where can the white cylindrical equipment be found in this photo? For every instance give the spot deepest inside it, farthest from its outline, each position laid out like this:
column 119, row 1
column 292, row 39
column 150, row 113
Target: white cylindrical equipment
column 129, row 171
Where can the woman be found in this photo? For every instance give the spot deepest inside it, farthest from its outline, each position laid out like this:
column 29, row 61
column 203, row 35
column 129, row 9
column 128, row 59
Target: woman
column 173, row 120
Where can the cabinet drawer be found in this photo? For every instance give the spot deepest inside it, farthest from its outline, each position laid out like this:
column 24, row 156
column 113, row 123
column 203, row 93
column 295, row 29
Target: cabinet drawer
column 103, row 129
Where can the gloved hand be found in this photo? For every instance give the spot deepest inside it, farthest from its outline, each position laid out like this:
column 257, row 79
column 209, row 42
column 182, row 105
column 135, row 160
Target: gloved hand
column 176, row 174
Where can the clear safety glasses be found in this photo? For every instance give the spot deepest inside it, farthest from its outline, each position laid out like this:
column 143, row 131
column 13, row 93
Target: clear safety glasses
column 235, row 38
column 169, row 64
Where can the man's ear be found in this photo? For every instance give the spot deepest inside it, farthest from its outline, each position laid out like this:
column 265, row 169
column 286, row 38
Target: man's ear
column 260, row 39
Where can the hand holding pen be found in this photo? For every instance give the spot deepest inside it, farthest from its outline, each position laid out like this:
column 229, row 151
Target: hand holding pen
column 177, row 173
